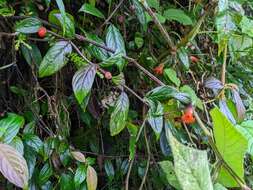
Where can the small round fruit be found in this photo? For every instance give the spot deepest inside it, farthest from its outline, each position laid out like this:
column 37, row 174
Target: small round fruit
column 108, row 75
column 42, row 32
column 194, row 59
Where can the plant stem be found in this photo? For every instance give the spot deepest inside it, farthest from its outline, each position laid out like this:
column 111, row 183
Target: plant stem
column 223, row 71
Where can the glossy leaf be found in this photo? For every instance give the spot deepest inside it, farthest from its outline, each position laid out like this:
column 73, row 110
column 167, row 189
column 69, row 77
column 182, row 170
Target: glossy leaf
column 80, row 175
column 171, row 76
column 97, row 52
column 114, row 40
column 232, row 146
column 90, row 9
column 28, row 25
column 32, row 56
column 109, row 169
column 13, row 166
column 177, row 15
column 33, row 142
column 69, row 24
column 116, row 59
column 119, row 114
column 155, row 116
column 9, row 127
column 55, row 58
column 17, row 144
column 226, row 111
column 246, row 25
column 82, row 82
column 191, row 166
column 92, row 179
column 183, row 57
column 140, row 13
column 45, row 173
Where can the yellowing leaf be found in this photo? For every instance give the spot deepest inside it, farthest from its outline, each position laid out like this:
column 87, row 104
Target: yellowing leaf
column 78, row 156
column 13, row 166
column 92, row 179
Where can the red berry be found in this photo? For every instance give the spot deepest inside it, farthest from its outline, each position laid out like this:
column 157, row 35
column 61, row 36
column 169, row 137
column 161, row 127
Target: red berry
column 108, row 75
column 42, row 32
column 194, row 59
column 159, row 69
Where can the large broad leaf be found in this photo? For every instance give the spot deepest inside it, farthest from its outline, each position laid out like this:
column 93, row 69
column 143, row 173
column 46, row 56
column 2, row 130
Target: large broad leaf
column 178, row 15
column 92, row 179
column 169, row 172
column 155, row 116
column 114, row 40
column 246, row 25
column 28, row 25
column 55, row 58
column 246, row 128
column 119, row 114
column 82, row 83
column 10, row 126
column 191, row 166
column 90, row 9
column 13, row 166
column 232, row 146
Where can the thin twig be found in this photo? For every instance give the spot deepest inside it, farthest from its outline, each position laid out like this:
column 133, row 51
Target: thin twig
column 223, row 71
column 111, row 15
column 158, row 24
column 148, row 161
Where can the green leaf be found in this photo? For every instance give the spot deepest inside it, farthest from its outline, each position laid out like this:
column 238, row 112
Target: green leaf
column 82, row 82
column 160, row 18
column 69, row 24
column 115, row 59
column 9, row 127
column 13, row 166
column 67, row 182
column 231, row 145
column 45, row 173
column 183, row 57
column 154, row 4
column 80, row 175
column 194, row 99
column 218, row 186
column 17, row 144
column 32, row 56
column 114, row 40
column 92, row 179
column 224, row 24
column 161, row 93
column 119, row 114
column 109, row 169
column 28, row 25
column 246, row 129
column 177, row 15
column 55, row 58
column 90, row 9
column 140, row 13
column 155, row 116
column 97, row 52
column 133, row 130
column 246, row 25
column 33, row 141
column 169, row 172
column 63, row 14
column 171, row 75
column 191, row 166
